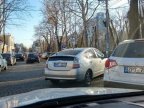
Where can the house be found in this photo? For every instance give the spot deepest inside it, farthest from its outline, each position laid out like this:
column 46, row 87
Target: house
column 9, row 43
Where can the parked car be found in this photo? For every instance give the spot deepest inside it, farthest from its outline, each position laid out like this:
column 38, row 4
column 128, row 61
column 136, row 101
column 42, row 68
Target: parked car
column 81, row 64
column 3, row 63
column 46, row 55
column 125, row 67
column 31, row 58
column 20, row 57
column 10, row 58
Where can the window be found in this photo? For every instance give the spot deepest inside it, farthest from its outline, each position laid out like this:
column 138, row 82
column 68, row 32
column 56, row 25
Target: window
column 6, row 55
column 69, row 52
column 99, row 53
column 130, row 50
column 90, row 54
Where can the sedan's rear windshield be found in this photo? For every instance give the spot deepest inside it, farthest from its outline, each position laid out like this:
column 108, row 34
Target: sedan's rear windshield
column 130, row 50
column 5, row 55
column 69, row 52
column 31, row 55
column 18, row 55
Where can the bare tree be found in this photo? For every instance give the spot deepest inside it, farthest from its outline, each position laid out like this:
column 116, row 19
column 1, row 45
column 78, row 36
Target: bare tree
column 133, row 16
column 118, row 26
column 11, row 10
column 85, row 9
column 44, row 31
column 57, row 13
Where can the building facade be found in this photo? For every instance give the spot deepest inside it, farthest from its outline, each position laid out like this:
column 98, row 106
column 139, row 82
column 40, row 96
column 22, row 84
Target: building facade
column 9, row 43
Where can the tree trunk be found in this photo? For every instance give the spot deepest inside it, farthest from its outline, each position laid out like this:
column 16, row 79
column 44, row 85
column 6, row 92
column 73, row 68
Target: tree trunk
column 3, row 26
column 65, row 25
column 3, row 42
column 58, row 42
column 112, row 39
column 133, row 17
column 85, row 33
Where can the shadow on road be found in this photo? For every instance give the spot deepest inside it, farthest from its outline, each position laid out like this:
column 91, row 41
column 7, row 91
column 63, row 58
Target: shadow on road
column 97, row 82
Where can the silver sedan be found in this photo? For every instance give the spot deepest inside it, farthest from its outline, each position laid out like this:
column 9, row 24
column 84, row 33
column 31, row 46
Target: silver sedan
column 81, row 64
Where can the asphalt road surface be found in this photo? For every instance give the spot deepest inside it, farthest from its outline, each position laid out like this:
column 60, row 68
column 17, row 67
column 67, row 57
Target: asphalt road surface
column 23, row 78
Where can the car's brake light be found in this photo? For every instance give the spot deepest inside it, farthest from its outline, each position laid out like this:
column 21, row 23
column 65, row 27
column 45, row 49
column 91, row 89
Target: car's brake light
column 76, row 66
column 110, row 63
column 76, row 63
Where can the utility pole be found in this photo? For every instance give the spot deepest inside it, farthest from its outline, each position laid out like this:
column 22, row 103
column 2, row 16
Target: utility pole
column 140, row 18
column 107, row 38
column 4, row 21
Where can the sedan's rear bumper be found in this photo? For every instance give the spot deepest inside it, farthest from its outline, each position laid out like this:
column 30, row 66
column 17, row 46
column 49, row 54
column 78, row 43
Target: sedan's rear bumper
column 122, row 85
column 62, row 75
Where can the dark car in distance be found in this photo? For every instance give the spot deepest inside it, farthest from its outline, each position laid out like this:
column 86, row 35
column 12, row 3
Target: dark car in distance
column 10, row 58
column 31, row 58
column 20, row 57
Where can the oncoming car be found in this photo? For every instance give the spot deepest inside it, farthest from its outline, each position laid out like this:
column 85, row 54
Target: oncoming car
column 81, row 64
column 125, row 67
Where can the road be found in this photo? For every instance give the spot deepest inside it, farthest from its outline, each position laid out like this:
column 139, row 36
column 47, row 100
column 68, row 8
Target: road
column 23, row 78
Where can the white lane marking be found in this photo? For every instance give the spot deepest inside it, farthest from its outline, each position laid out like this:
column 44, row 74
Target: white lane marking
column 19, row 81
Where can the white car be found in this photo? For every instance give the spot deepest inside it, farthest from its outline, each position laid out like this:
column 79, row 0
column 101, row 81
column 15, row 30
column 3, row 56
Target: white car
column 81, row 64
column 125, row 67
column 3, row 63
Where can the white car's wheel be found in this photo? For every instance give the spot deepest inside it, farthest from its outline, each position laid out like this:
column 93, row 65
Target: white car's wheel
column 88, row 78
column 5, row 68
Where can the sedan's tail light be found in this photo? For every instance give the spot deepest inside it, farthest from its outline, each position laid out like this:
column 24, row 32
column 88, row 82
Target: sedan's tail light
column 110, row 63
column 76, row 63
column 76, row 66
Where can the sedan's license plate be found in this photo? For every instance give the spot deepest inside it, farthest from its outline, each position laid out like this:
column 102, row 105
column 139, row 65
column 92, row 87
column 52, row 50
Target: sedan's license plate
column 131, row 69
column 60, row 64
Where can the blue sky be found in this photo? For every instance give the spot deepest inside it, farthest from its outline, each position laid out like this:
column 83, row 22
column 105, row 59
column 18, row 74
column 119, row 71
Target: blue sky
column 24, row 33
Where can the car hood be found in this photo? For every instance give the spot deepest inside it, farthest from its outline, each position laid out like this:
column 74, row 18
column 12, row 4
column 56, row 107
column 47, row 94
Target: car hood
column 54, row 93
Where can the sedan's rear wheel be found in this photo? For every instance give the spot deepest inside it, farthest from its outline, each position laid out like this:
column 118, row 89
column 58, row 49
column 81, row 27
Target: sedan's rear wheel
column 88, row 78
column 5, row 68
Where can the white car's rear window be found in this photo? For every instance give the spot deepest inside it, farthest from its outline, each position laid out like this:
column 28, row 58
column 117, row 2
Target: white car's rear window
column 69, row 52
column 130, row 50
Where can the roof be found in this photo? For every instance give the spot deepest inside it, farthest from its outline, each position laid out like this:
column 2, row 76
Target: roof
column 131, row 41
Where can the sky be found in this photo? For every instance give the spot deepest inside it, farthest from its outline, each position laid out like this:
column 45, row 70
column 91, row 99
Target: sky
column 25, row 33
